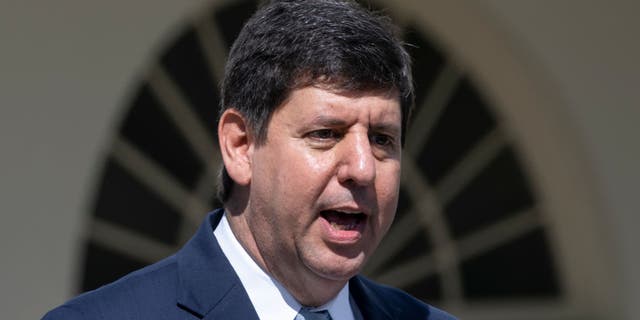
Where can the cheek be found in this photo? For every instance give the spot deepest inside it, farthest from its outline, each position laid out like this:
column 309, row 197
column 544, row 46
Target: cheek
column 388, row 201
column 297, row 179
column 310, row 169
column 389, row 179
column 388, row 193
column 315, row 161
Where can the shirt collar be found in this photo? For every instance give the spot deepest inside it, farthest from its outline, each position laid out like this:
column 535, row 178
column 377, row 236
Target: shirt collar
column 270, row 299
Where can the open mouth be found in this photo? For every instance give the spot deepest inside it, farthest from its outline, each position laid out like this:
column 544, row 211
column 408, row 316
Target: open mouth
column 344, row 221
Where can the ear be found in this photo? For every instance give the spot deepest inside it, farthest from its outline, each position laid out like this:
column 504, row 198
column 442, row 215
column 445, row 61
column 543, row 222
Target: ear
column 236, row 146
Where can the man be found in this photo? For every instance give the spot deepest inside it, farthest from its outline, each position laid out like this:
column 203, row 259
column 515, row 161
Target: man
column 316, row 99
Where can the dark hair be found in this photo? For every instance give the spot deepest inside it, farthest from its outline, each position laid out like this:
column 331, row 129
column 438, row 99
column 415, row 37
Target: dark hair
column 290, row 44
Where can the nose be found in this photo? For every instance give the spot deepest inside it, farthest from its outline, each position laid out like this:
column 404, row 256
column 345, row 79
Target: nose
column 358, row 164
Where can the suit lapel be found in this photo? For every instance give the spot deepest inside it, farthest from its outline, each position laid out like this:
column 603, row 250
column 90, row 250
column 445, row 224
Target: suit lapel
column 369, row 304
column 208, row 286
column 234, row 306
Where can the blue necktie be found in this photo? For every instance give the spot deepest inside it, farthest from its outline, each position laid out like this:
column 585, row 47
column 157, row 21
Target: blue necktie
column 306, row 314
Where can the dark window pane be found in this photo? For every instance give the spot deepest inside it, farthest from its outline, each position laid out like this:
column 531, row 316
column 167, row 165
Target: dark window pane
column 185, row 62
column 497, row 192
column 418, row 245
column 521, row 268
column 463, row 123
column 124, row 201
column 231, row 18
column 404, row 204
column 427, row 289
column 102, row 266
column 149, row 129
column 428, row 62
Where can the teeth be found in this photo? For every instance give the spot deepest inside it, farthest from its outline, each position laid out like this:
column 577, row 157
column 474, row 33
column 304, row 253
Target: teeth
column 350, row 226
column 348, row 212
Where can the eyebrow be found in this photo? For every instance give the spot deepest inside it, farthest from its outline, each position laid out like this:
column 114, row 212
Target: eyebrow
column 329, row 120
column 337, row 122
column 386, row 127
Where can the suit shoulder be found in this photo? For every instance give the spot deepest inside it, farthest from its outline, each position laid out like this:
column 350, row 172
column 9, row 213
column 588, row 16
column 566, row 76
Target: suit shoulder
column 147, row 286
column 63, row 312
column 405, row 305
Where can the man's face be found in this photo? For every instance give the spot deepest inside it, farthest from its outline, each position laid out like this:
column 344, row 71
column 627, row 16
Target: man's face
column 324, row 186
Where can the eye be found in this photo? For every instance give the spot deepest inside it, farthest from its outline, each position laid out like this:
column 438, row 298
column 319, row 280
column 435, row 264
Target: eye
column 381, row 139
column 323, row 134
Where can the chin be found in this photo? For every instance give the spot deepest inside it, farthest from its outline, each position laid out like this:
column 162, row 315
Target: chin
column 339, row 269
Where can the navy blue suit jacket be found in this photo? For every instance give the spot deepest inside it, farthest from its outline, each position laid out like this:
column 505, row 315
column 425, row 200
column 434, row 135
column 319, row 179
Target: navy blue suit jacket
column 199, row 283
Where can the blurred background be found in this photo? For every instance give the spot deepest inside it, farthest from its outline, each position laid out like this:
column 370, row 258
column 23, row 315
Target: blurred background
column 520, row 172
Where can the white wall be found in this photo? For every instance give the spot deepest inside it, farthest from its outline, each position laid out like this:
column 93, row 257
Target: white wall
column 65, row 67
column 563, row 76
column 590, row 52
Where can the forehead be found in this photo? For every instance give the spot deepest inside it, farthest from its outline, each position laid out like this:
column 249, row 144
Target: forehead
column 314, row 102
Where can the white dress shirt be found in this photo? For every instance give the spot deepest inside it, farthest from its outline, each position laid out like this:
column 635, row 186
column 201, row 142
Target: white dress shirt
column 270, row 299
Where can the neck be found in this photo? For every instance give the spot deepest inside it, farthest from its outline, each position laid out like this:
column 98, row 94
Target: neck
column 311, row 291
